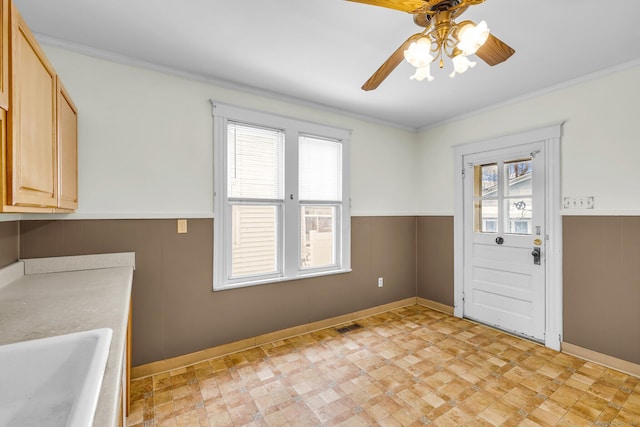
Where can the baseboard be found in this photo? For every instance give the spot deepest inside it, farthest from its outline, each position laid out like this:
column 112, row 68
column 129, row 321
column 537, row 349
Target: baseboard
column 160, row 366
column 602, row 359
column 434, row 305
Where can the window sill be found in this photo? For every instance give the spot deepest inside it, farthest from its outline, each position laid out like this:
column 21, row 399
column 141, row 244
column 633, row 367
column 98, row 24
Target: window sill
column 278, row 280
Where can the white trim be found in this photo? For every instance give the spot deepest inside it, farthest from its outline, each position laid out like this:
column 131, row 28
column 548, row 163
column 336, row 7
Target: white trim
column 207, row 79
column 355, row 212
column 118, row 215
column 550, row 136
column 135, row 62
column 273, row 280
column 436, row 213
column 553, row 282
column 600, row 212
column 535, row 94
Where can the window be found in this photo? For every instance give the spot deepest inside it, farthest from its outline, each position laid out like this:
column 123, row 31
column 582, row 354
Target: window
column 281, row 198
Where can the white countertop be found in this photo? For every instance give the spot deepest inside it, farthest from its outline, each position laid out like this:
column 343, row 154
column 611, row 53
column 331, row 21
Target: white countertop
column 48, row 304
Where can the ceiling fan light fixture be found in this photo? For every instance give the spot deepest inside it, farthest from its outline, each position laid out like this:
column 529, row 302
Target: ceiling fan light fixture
column 419, row 53
column 471, row 37
column 441, row 38
column 422, row 73
column 461, row 64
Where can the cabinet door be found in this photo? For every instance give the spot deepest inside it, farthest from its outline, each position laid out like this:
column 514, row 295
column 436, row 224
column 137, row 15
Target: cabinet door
column 4, row 54
column 32, row 156
column 67, row 150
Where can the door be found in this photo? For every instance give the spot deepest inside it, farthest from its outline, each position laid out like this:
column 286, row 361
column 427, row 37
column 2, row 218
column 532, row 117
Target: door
column 32, row 150
column 504, row 245
column 67, row 150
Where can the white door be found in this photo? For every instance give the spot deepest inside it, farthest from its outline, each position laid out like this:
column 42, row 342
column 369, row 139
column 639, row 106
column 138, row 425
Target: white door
column 504, row 229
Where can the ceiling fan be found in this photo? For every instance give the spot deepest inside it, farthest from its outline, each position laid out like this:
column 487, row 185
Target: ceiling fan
column 441, row 36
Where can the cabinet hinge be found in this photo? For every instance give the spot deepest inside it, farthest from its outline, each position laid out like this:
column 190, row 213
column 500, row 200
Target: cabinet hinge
column 463, row 173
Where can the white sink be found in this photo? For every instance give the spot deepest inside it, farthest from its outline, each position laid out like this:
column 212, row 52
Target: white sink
column 53, row 381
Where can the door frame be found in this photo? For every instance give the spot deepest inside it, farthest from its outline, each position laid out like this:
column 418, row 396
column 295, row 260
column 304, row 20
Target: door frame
column 550, row 137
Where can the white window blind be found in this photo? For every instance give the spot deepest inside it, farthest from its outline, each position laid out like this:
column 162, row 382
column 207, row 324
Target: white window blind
column 254, row 165
column 320, row 169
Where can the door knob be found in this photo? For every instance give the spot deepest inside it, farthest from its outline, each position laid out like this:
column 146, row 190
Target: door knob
column 536, row 256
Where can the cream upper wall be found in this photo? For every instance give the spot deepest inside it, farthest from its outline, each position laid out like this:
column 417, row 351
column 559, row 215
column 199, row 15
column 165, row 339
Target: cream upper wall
column 600, row 144
column 145, row 143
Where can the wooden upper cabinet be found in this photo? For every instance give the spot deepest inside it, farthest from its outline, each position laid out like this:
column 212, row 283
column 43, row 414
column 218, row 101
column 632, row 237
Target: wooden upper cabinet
column 32, row 147
column 67, row 150
column 4, row 54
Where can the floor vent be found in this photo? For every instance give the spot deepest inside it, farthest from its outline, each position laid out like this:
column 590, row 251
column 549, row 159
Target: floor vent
column 348, row 328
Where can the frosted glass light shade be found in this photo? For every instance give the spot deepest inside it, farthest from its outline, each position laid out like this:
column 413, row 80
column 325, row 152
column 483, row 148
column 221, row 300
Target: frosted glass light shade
column 461, row 64
column 472, row 37
column 422, row 73
column 419, row 53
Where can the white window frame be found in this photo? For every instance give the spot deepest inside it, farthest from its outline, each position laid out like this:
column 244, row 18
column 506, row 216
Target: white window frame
column 289, row 243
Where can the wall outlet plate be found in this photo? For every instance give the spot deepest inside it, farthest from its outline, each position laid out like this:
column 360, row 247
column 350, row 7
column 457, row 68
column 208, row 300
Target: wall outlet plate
column 380, row 282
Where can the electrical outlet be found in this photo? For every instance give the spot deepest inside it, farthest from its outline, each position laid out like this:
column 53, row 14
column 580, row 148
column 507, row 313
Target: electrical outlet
column 182, row 226
column 380, row 282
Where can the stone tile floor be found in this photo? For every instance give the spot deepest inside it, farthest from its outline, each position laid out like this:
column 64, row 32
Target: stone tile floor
column 407, row 367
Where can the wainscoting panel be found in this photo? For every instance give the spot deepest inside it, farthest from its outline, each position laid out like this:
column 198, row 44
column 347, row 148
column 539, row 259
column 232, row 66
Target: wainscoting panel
column 435, row 258
column 175, row 311
column 601, row 300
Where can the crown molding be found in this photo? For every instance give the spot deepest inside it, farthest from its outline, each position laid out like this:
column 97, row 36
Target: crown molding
column 227, row 84
column 538, row 93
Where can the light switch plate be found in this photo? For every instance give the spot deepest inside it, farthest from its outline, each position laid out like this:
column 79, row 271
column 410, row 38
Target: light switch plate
column 182, row 226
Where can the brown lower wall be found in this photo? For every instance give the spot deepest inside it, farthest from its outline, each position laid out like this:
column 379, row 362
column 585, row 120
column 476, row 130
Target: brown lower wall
column 601, row 284
column 601, row 279
column 175, row 311
column 9, row 242
column 435, row 258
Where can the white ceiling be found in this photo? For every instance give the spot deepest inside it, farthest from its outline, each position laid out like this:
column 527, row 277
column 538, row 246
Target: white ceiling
column 322, row 51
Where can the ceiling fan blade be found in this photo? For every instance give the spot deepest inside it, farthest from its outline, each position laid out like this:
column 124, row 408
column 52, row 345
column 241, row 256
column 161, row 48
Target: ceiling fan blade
column 494, row 51
column 389, row 65
column 403, row 5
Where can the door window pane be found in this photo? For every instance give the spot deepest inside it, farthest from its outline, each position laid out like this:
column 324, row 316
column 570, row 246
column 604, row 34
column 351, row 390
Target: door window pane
column 254, row 244
column 518, row 178
column 503, row 196
column 317, row 236
column 486, row 201
column 486, row 214
column 518, row 215
column 486, row 180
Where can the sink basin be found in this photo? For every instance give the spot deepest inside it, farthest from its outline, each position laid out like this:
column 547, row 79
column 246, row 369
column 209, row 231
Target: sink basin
column 53, row 381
